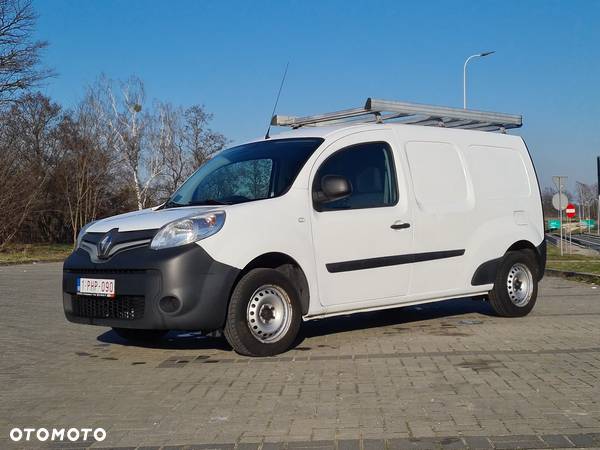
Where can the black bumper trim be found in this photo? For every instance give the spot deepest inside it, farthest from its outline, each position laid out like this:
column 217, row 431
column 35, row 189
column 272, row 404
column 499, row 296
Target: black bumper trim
column 202, row 284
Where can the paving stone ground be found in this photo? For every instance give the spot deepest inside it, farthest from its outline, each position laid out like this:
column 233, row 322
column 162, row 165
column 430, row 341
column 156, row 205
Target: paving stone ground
column 445, row 375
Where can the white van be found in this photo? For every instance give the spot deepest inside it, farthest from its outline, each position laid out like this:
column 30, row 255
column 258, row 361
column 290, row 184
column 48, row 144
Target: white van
column 365, row 214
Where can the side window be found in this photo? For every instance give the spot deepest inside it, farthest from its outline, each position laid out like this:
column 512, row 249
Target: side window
column 369, row 168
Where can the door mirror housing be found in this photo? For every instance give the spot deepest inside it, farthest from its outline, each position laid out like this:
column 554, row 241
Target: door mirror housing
column 333, row 187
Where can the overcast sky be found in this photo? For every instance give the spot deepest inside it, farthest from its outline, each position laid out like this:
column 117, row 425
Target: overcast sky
column 230, row 56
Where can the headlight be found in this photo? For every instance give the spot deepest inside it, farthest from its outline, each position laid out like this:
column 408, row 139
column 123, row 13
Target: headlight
column 82, row 232
column 188, row 230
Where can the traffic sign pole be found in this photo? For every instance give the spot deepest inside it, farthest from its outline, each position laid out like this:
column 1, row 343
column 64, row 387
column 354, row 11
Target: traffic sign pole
column 570, row 212
column 570, row 236
column 558, row 181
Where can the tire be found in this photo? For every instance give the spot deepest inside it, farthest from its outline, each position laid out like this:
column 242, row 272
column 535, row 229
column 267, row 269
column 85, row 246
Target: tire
column 142, row 336
column 516, row 285
column 264, row 314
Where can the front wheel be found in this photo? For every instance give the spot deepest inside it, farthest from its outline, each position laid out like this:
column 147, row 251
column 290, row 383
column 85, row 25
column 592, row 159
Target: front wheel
column 516, row 286
column 264, row 314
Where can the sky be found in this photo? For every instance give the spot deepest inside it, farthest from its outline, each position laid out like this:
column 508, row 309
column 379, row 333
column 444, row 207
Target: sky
column 230, row 57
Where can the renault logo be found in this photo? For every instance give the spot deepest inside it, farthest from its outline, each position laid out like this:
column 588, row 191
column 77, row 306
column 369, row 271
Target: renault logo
column 105, row 244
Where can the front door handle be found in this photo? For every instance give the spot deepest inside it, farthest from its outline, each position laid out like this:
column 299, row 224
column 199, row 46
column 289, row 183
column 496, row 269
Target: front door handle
column 400, row 226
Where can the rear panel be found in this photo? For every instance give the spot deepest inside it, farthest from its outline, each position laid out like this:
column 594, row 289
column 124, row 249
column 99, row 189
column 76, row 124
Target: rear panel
column 473, row 191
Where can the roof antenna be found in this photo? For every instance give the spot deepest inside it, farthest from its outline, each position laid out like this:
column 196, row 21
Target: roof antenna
column 277, row 100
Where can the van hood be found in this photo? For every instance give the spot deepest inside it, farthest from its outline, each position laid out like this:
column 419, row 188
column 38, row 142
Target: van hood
column 148, row 219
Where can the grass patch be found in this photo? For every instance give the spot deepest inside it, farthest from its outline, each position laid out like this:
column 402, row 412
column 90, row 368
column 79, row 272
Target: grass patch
column 576, row 266
column 554, row 254
column 28, row 253
column 572, row 263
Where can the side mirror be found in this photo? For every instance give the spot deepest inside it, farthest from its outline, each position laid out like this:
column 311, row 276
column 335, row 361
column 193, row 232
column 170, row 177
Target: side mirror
column 334, row 187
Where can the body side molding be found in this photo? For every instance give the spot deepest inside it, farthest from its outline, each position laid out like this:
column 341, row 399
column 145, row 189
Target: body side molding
column 384, row 261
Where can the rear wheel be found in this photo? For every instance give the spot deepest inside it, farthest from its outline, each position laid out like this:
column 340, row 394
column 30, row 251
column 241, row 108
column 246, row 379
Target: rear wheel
column 264, row 314
column 136, row 335
column 516, row 285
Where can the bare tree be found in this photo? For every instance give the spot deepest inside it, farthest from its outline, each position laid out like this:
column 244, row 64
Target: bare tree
column 84, row 168
column 169, row 140
column 586, row 196
column 122, row 111
column 202, row 142
column 60, row 169
column 19, row 53
column 29, row 152
column 184, row 142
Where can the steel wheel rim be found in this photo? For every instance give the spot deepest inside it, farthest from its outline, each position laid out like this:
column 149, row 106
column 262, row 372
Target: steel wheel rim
column 519, row 284
column 269, row 313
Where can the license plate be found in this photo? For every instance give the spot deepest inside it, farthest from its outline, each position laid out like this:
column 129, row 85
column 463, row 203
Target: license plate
column 96, row 286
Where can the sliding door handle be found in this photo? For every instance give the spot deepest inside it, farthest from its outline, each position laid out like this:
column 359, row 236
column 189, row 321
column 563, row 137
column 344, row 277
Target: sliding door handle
column 400, row 226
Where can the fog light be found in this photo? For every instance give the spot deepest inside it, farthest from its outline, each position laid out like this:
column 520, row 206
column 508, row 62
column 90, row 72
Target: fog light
column 169, row 304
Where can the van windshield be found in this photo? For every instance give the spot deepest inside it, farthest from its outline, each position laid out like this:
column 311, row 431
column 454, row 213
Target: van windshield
column 246, row 173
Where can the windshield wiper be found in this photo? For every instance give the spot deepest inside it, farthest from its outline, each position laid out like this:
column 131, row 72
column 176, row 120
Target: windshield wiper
column 208, row 201
column 172, row 204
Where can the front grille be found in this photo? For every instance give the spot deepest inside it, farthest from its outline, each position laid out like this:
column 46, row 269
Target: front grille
column 125, row 307
column 105, row 271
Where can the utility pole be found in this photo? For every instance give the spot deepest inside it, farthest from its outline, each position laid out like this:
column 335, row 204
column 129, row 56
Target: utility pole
column 478, row 55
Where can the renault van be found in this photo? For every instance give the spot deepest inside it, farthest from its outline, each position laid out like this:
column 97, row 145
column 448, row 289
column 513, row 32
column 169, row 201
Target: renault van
column 383, row 206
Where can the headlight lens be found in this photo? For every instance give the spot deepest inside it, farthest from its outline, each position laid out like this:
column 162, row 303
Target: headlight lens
column 187, row 230
column 82, row 232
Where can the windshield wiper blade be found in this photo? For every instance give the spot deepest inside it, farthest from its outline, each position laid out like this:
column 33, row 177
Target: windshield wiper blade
column 208, row 201
column 172, row 204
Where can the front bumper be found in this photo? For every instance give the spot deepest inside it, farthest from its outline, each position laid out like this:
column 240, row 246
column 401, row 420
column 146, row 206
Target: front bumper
column 143, row 277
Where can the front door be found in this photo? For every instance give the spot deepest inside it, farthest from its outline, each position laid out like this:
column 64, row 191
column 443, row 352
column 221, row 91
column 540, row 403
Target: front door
column 361, row 241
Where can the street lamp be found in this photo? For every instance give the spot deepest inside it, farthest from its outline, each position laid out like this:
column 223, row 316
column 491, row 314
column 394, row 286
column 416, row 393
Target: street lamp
column 478, row 55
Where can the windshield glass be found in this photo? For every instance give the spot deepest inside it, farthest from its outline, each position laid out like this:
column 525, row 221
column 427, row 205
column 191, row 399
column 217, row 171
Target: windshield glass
column 245, row 173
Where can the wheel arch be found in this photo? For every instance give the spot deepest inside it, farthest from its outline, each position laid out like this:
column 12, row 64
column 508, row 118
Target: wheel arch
column 521, row 245
column 285, row 264
column 486, row 272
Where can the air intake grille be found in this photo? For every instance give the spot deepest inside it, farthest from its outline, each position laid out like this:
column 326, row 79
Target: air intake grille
column 105, row 272
column 125, row 307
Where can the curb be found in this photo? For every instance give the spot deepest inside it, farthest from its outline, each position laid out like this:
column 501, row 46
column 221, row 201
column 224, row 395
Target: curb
column 28, row 263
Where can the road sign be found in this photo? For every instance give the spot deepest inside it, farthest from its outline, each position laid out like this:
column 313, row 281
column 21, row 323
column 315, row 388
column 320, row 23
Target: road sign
column 570, row 210
column 588, row 223
column 553, row 224
column 560, row 201
column 559, row 181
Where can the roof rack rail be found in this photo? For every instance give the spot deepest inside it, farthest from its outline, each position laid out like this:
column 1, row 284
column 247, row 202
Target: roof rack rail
column 379, row 111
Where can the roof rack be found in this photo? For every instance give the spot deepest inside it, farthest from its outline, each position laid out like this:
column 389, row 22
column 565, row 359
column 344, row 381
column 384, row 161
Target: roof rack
column 379, row 111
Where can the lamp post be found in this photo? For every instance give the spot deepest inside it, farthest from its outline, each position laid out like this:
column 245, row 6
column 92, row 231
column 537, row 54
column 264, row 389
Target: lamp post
column 478, row 55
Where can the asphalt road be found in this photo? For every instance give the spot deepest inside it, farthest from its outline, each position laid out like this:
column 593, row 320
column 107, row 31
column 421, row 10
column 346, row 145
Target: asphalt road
column 588, row 240
column 446, row 375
